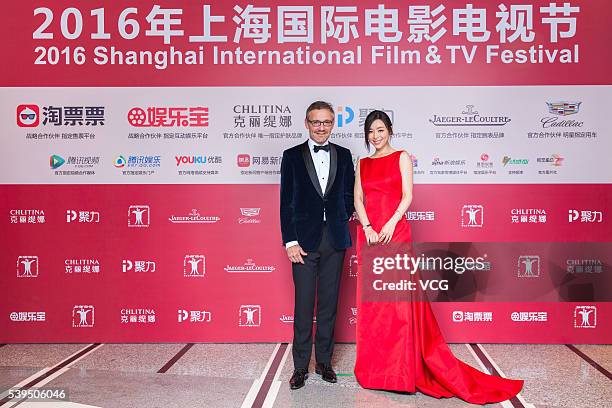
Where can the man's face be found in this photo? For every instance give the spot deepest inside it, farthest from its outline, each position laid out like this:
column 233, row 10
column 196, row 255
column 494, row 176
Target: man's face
column 319, row 123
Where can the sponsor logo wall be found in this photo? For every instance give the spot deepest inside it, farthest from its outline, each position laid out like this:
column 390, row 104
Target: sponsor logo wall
column 456, row 135
column 150, row 213
column 208, row 265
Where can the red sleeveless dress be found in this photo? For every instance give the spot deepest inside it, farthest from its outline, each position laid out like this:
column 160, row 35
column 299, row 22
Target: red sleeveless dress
column 399, row 344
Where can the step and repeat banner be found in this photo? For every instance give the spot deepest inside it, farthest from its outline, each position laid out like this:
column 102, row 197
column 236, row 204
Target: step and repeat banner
column 141, row 143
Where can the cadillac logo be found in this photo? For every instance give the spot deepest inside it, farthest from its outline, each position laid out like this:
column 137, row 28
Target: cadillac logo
column 563, row 108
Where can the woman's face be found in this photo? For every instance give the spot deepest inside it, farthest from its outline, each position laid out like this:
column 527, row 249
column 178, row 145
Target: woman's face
column 378, row 134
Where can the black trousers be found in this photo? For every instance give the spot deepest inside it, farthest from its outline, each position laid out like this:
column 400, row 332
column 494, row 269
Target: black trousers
column 320, row 275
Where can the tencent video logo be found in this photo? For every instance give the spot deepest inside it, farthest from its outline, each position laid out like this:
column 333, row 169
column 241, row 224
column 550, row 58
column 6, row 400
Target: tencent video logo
column 56, row 161
column 28, row 115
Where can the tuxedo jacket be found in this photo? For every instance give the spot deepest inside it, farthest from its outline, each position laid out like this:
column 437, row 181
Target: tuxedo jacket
column 302, row 202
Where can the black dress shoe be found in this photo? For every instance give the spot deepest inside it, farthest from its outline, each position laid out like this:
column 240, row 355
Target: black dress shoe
column 326, row 372
column 298, row 378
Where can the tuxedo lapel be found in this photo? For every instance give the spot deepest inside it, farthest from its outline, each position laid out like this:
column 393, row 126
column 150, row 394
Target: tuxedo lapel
column 310, row 168
column 333, row 167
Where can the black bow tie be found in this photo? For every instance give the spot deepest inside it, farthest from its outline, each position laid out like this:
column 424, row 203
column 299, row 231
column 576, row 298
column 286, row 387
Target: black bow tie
column 317, row 148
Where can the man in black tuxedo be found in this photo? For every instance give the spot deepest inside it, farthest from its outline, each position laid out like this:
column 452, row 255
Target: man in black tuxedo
column 316, row 202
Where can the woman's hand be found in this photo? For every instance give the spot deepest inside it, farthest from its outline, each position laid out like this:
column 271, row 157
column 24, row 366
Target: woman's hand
column 386, row 233
column 371, row 236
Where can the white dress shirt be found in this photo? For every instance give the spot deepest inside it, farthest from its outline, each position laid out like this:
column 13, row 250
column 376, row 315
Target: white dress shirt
column 321, row 161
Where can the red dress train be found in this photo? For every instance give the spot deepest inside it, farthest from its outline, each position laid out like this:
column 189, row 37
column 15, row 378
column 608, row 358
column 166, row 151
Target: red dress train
column 399, row 344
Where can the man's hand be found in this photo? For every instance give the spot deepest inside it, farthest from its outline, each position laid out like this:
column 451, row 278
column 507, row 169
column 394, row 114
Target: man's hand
column 295, row 254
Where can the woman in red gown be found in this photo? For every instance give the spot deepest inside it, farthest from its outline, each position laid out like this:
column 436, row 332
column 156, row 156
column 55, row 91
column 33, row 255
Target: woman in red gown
column 399, row 344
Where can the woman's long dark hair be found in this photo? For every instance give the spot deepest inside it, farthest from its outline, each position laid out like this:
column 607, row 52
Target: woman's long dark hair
column 372, row 116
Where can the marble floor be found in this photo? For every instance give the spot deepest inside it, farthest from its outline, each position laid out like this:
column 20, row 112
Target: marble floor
column 256, row 375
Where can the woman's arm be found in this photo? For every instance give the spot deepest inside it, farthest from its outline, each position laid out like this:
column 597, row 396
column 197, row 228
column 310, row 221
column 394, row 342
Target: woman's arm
column 406, row 170
column 371, row 235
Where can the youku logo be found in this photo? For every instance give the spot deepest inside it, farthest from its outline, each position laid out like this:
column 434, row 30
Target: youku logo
column 469, row 117
column 190, row 160
column 562, row 109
